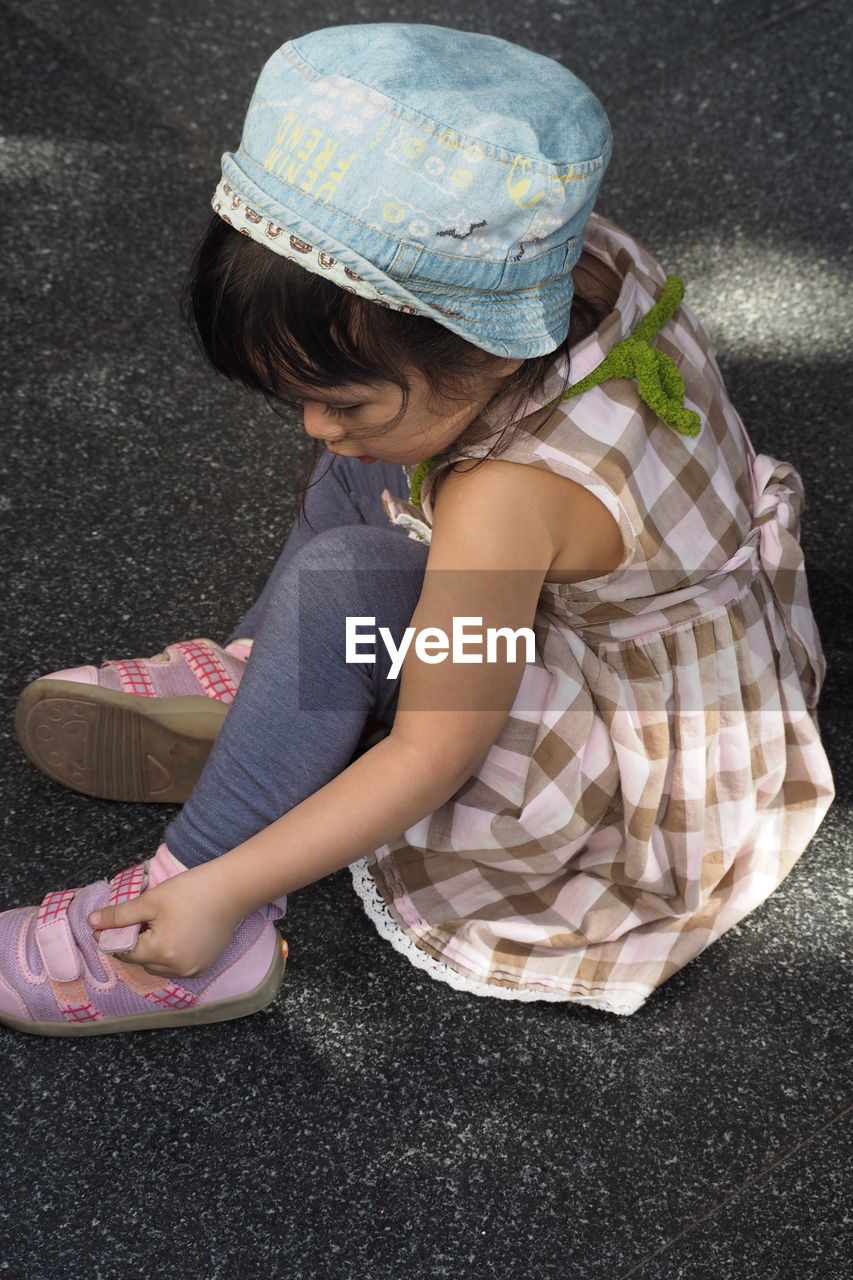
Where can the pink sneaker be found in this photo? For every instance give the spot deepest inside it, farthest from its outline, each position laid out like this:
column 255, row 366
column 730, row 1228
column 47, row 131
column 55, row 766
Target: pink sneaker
column 137, row 729
column 55, row 980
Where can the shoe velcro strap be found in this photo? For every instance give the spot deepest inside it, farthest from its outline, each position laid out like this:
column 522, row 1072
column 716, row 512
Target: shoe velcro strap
column 125, row 886
column 59, row 952
column 208, row 668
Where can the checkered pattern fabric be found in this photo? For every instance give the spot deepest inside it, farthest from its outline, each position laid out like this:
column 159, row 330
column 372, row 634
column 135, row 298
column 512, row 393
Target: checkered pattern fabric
column 134, row 677
column 197, row 667
column 208, row 668
column 85, row 1012
column 171, row 997
column 661, row 769
column 55, row 905
column 74, row 1004
column 127, row 884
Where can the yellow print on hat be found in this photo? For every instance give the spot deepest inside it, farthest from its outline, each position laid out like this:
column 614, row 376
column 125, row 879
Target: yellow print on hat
column 413, row 148
column 520, row 187
column 379, row 134
column 305, row 157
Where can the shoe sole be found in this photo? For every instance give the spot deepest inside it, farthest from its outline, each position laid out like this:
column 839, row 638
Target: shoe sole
column 217, row 1011
column 118, row 746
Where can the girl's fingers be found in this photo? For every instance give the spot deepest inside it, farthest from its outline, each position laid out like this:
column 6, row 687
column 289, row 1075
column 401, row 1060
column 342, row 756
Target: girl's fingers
column 159, row 971
column 148, row 954
column 142, row 955
column 123, row 913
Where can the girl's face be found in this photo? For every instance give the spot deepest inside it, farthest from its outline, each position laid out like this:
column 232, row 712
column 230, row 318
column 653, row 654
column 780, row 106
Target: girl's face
column 353, row 421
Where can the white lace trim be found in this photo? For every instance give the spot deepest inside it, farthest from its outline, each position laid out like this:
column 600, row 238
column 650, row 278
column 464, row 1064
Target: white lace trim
column 387, row 927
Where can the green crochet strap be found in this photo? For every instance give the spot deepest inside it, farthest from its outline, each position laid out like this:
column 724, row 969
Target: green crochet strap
column 659, row 380
column 419, row 474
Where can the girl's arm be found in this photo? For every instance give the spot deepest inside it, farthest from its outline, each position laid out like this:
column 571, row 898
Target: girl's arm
column 492, row 546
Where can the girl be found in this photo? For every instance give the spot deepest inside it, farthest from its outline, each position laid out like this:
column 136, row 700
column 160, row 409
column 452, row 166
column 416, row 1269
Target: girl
column 584, row 631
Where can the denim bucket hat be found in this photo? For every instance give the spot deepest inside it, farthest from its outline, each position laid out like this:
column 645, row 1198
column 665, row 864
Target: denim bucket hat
column 434, row 171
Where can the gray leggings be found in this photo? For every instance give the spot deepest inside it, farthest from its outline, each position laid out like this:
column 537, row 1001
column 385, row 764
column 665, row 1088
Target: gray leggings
column 301, row 708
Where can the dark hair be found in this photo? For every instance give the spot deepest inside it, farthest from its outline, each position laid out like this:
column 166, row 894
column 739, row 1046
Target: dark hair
column 267, row 322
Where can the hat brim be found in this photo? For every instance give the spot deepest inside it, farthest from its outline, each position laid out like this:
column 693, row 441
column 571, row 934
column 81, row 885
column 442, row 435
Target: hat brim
column 516, row 324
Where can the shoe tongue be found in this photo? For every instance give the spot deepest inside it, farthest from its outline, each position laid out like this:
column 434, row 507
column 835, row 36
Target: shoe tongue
column 275, row 910
column 240, row 649
column 163, row 865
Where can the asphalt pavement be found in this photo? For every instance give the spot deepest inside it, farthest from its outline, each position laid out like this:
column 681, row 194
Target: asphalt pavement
column 374, row 1124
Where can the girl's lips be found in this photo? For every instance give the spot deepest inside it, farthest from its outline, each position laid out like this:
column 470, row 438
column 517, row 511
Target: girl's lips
column 362, row 457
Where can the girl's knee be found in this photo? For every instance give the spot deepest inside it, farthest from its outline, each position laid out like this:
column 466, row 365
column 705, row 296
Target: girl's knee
column 351, row 571
column 360, row 547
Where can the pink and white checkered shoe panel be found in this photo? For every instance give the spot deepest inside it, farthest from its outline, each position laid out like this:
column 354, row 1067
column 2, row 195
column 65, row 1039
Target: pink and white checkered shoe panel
column 197, row 667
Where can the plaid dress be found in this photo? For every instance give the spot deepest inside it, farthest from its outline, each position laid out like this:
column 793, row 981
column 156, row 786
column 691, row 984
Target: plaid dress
column 661, row 769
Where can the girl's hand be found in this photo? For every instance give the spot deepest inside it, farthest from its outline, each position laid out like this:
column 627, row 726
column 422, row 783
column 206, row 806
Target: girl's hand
column 187, row 924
